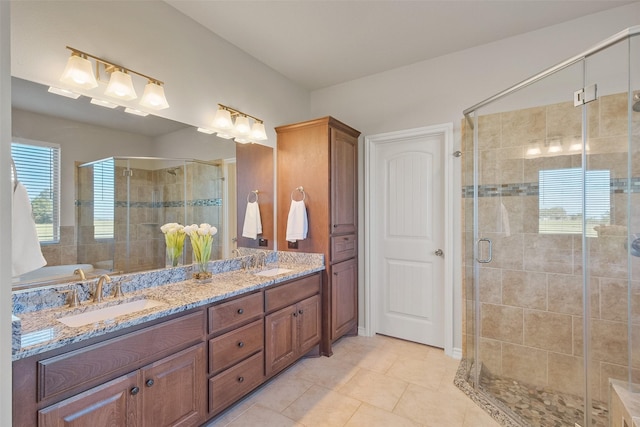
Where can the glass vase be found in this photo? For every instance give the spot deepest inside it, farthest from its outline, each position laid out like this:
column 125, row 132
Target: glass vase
column 173, row 257
column 201, row 273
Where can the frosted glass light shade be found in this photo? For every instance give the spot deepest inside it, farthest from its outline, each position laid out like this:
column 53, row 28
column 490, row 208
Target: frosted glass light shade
column 222, row 120
column 120, row 86
column 153, row 97
column 242, row 127
column 79, row 73
column 258, row 132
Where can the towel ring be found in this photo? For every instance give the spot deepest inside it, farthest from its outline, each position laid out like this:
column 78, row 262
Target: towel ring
column 300, row 189
column 255, row 192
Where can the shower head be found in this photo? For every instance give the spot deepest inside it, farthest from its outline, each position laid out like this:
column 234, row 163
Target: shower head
column 636, row 103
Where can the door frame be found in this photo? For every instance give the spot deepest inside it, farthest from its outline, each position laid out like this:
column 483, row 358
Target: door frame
column 452, row 262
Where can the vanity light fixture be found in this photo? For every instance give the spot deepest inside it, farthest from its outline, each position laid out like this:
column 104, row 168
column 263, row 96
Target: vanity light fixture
column 241, row 130
column 136, row 112
column 79, row 73
column 103, row 103
column 64, row 92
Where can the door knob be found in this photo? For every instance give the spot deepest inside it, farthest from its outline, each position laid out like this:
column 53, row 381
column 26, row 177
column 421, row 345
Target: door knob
column 439, row 252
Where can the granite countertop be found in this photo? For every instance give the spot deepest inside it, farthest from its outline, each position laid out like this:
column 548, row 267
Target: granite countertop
column 41, row 330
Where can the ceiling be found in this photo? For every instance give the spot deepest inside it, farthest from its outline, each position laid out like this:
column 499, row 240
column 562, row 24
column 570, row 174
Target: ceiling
column 322, row 43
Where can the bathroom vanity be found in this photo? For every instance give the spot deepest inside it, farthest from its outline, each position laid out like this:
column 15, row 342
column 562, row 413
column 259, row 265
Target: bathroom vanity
column 178, row 363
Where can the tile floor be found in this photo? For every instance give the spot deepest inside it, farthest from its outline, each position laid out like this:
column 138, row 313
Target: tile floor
column 369, row 381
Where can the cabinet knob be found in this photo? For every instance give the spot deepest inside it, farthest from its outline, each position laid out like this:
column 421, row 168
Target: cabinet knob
column 335, row 225
column 240, row 379
column 295, row 314
column 149, row 382
column 300, row 312
column 240, row 344
column 240, row 311
column 134, row 391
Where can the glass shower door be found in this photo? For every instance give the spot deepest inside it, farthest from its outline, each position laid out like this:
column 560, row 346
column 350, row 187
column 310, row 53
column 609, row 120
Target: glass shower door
column 527, row 252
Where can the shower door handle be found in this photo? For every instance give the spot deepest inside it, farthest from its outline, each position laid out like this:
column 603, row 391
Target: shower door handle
column 488, row 259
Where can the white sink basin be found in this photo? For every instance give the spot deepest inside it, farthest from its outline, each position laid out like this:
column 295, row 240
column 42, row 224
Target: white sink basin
column 273, row 272
column 107, row 313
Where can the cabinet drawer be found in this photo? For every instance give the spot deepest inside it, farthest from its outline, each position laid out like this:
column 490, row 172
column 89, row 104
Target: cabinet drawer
column 99, row 361
column 230, row 348
column 343, row 247
column 227, row 387
column 227, row 315
column 292, row 292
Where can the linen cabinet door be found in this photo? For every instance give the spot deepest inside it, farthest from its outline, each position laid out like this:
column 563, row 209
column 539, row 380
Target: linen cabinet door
column 174, row 390
column 280, row 339
column 344, row 183
column 344, row 298
column 112, row 404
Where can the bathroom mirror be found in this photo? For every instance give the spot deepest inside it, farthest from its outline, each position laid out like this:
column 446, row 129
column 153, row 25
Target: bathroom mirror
column 88, row 133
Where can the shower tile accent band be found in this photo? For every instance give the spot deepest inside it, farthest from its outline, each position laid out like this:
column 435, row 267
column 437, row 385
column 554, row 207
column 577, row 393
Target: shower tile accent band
column 617, row 185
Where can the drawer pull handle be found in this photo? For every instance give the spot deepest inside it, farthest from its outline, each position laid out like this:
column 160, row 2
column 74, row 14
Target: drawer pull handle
column 240, row 344
column 134, row 391
column 149, row 383
column 240, row 311
column 240, row 379
column 300, row 311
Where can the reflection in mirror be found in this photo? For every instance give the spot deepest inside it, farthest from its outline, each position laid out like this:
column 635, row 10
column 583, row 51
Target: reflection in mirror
column 123, row 202
column 164, row 186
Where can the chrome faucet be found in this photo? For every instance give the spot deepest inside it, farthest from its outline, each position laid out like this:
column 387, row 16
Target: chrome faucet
column 236, row 253
column 97, row 296
column 260, row 260
column 81, row 273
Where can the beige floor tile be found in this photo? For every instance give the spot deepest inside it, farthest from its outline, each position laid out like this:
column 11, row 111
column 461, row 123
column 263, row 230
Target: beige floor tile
column 281, row 392
column 373, row 359
column 264, row 417
column 475, row 416
column 375, row 389
column 370, row 416
column 322, row 407
column 421, row 372
column 430, row 408
column 328, row 372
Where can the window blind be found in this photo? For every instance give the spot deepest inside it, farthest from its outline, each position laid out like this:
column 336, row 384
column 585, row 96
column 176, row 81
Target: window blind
column 104, row 199
column 38, row 169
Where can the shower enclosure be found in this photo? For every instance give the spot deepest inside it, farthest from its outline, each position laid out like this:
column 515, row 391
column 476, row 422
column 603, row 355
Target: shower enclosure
column 551, row 195
column 123, row 201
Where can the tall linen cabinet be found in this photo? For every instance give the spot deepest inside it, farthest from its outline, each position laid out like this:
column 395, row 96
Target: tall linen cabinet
column 320, row 157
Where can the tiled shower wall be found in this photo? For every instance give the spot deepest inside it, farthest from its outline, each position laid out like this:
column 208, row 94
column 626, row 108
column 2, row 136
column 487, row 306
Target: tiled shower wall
column 530, row 311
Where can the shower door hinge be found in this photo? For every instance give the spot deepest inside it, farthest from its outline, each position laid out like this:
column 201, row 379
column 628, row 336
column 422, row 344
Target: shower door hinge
column 584, row 95
column 127, row 172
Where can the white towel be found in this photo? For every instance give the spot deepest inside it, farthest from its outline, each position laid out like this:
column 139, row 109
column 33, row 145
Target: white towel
column 26, row 254
column 252, row 222
column 297, row 225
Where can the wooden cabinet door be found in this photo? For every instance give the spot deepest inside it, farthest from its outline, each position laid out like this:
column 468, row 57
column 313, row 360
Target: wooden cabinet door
column 308, row 323
column 112, row 404
column 344, row 297
column 174, row 390
column 344, row 182
column 280, row 339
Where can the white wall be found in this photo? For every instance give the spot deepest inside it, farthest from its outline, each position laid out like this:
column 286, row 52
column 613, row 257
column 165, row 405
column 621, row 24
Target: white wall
column 437, row 91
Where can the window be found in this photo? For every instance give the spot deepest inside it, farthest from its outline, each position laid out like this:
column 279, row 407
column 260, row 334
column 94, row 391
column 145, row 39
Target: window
column 560, row 201
column 103, row 199
column 38, row 169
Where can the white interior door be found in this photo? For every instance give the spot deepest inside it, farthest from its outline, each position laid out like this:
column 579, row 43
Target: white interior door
column 407, row 237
